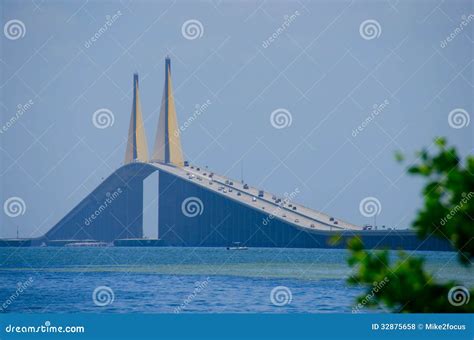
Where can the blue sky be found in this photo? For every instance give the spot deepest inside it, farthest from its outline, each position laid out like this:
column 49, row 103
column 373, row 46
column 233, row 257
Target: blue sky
column 322, row 67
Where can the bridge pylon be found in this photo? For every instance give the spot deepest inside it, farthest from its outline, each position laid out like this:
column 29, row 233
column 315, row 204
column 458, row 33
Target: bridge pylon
column 167, row 143
column 137, row 149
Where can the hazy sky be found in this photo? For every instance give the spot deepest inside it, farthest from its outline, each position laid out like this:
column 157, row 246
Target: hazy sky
column 326, row 65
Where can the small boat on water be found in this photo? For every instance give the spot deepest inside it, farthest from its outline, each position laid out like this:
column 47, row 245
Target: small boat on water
column 237, row 246
column 86, row 244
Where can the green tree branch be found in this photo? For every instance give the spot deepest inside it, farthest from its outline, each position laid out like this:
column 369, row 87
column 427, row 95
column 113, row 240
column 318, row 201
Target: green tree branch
column 448, row 213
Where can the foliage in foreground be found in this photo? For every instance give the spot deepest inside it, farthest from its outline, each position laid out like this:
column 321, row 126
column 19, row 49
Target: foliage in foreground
column 448, row 213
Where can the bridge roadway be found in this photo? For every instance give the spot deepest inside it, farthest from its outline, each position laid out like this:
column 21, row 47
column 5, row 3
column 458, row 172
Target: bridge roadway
column 302, row 217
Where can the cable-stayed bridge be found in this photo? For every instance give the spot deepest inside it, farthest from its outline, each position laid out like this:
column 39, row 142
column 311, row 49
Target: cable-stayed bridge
column 197, row 207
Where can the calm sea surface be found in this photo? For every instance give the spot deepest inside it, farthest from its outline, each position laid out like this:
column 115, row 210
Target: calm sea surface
column 167, row 280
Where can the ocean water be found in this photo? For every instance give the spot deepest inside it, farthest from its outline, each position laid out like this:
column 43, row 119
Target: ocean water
column 199, row 280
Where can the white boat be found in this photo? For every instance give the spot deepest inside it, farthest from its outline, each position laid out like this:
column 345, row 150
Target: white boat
column 86, row 244
column 237, row 246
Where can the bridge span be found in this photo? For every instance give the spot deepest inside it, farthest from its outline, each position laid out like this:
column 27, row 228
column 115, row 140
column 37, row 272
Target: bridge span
column 197, row 207
column 218, row 218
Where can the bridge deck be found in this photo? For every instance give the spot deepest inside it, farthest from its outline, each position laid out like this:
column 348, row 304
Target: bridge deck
column 302, row 217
